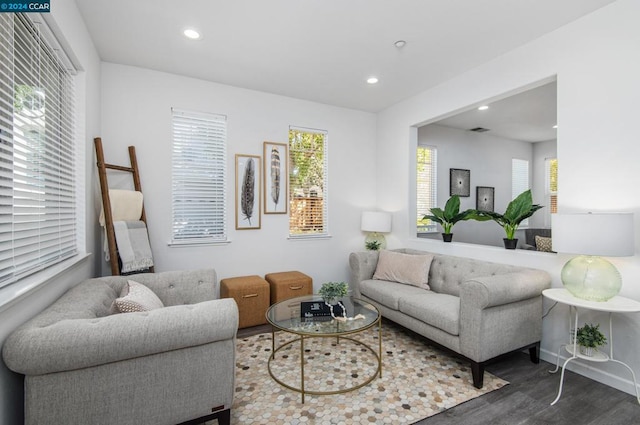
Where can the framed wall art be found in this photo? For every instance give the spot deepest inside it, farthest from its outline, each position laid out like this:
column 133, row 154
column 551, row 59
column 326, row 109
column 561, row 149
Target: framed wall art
column 276, row 178
column 459, row 182
column 485, row 198
column 248, row 191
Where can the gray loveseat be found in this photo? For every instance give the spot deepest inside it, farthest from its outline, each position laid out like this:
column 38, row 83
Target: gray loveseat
column 165, row 366
column 477, row 309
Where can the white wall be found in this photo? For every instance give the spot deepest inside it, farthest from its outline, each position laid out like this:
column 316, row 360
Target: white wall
column 597, row 66
column 489, row 160
column 136, row 110
column 70, row 28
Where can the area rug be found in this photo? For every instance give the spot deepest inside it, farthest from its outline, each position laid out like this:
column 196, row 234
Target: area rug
column 417, row 380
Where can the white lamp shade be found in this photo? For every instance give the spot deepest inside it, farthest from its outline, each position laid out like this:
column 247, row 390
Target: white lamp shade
column 373, row 221
column 602, row 234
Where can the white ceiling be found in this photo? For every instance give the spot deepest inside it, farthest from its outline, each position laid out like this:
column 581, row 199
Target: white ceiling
column 322, row 50
column 528, row 116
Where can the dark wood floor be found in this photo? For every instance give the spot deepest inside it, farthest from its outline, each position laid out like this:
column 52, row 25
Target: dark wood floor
column 525, row 401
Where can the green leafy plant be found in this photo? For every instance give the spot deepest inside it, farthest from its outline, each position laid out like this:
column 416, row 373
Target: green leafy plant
column 519, row 209
column 590, row 336
column 331, row 291
column 451, row 214
column 373, row 245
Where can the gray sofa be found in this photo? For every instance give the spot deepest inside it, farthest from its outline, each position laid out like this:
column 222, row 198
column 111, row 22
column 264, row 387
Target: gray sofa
column 83, row 365
column 477, row 309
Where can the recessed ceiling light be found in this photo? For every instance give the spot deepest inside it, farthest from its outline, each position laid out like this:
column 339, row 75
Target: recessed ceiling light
column 483, row 108
column 372, row 80
column 400, row 44
column 191, row 33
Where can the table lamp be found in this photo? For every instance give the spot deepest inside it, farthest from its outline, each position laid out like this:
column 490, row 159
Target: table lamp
column 375, row 223
column 589, row 276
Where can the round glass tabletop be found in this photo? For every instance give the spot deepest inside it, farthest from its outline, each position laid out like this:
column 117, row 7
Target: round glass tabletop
column 308, row 315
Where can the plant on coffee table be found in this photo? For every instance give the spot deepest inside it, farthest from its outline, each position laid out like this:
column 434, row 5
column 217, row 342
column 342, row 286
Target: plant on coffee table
column 331, row 291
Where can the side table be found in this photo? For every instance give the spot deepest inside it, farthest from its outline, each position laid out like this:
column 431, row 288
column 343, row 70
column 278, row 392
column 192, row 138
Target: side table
column 616, row 304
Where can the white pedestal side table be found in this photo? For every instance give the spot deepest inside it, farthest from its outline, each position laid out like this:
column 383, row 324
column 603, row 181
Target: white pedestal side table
column 616, row 304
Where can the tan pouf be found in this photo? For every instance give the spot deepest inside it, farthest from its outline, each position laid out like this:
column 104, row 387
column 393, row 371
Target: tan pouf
column 285, row 285
column 252, row 296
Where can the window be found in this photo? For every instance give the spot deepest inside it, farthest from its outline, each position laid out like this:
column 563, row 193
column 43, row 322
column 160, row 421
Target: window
column 37, row 152
column 427, row 165
column 199, row 174
column 551, row 172
column 307, row 182
column 519, row 181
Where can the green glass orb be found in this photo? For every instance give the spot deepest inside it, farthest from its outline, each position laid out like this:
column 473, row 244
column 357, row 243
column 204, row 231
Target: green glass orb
column 591, row 278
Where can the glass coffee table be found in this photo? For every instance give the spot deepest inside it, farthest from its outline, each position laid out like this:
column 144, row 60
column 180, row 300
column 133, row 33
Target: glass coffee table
column 286, row 316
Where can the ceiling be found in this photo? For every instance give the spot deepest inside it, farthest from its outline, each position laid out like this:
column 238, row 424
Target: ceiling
column 322, row 50
column 528, row 116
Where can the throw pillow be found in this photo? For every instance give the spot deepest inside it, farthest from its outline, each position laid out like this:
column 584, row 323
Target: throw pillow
column 543, row 244
column 137, row 297
column 411, row 269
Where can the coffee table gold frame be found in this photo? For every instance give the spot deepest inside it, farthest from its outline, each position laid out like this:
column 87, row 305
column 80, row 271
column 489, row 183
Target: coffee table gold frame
column 302, row 336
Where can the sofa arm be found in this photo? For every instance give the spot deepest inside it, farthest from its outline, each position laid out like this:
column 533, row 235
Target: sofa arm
column 491, row 291
column 363, row 266
column 82, row 343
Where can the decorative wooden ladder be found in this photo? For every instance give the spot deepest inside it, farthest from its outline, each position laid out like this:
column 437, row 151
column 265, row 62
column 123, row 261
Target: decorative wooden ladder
column 106, row 201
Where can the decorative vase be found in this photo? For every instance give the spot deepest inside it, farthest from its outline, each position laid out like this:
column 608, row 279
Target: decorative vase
column 510, row 243
column 447, row 237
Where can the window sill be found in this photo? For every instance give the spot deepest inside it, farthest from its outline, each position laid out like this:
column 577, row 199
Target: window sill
column 193, row 243
column 308, row 237
column 13, row 292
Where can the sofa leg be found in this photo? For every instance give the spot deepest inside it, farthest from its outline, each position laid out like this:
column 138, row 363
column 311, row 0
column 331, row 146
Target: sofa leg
column 477, row 372
column 534, row 353
column 223, row 417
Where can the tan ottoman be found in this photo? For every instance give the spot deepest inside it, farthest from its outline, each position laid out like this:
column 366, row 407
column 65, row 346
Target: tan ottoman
column 285, row 285
column 252, row 296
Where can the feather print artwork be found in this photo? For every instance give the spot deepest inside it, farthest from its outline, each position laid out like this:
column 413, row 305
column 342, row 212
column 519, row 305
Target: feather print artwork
column 275, row 175
column 248, row 190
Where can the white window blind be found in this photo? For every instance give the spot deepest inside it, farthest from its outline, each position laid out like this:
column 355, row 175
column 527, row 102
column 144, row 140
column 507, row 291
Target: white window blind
column 308, row 179
column 426, row 184
column 37, row 153
column 519, row 180
column 199, row 174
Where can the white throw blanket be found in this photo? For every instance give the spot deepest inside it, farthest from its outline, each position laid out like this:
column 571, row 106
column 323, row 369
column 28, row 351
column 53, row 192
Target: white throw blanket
column 126, row 205
column 133, row 245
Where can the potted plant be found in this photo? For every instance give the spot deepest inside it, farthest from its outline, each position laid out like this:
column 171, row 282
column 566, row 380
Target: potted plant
column 331, row 291
column 520, row 208
column 373, row 245
column 589, row 339
column 451, row 215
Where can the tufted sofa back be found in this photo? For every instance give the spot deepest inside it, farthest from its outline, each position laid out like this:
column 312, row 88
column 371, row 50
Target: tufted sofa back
column 448, row 272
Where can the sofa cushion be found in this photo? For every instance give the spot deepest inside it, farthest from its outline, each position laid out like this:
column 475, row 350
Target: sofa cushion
column 404, row 268
column 388, row 293
column 543, row 244
column 439, row 310
column 137, row 297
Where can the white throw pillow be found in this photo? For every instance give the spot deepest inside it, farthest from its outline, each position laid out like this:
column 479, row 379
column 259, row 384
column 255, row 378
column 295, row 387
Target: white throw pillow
column 137, row 297
column 411, row 269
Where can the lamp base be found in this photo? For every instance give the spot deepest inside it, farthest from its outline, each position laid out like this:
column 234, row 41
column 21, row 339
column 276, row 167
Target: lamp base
column 591, row 278
column 375, row 241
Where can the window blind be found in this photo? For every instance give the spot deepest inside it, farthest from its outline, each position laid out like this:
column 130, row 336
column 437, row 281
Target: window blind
column 37, row 152
column 199, row 173
column 308, row 179
column 426, row 184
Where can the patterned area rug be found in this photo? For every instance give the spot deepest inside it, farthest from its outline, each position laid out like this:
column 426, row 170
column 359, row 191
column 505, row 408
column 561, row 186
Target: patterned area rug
column 417, row 380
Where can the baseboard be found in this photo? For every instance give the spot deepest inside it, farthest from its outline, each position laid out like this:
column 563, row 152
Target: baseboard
column 623, row 382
